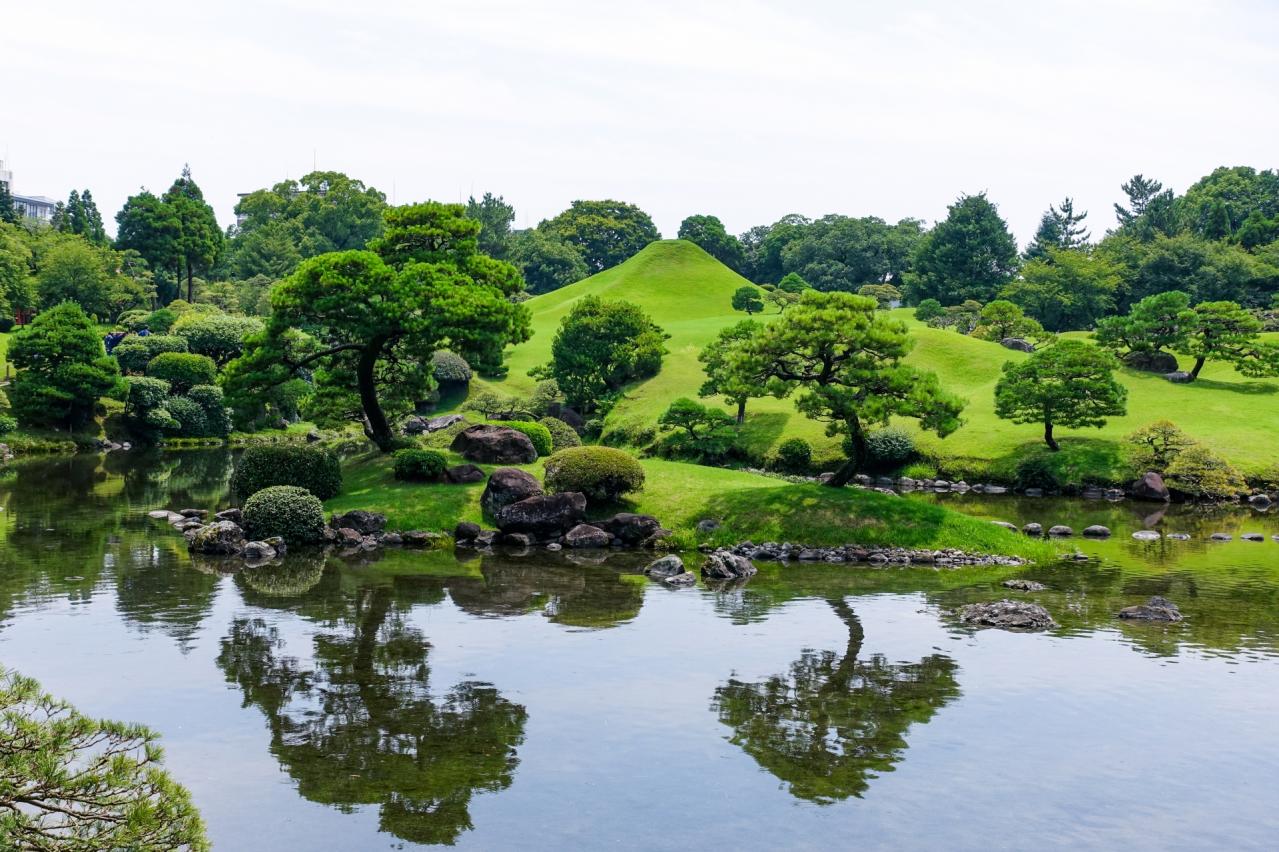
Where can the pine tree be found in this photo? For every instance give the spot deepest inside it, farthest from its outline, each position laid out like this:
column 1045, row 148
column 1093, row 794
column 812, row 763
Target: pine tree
column 94, row 231
column 1140, row 191
column 1060, row 228
column 73, row 222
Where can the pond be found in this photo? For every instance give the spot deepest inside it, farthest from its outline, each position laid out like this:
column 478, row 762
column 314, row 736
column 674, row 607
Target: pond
column 413, row 699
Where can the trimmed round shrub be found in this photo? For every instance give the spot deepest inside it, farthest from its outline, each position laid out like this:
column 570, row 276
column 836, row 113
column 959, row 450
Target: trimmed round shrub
column 928, row 309
column 450, row 367
column 159, row 322
column 536, row 432
column 217, row 419
column 135, row 352
column 887, row 449
column 794, row 455
column 293, row 513
column 601, row 473
column 563, row 435
column 183, row 370
column 313, row 468
column 132, row 320
column 418, row 465
column 188, row 414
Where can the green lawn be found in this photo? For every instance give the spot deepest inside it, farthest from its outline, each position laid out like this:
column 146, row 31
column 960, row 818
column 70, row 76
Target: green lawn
column 687, row 292
column 747, row 505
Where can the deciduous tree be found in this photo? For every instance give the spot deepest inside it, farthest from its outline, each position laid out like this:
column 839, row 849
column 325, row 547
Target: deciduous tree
column 969, row 255
column 604, row 232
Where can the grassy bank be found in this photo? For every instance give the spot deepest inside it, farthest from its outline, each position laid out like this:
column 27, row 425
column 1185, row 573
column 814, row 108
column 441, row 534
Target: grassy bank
column 748, row 506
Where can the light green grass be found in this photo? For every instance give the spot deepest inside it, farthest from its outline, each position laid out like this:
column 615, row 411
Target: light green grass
column 747, row 505
column 688, row 293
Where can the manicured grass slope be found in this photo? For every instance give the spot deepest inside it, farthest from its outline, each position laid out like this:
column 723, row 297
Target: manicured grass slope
column 748, row 506
column 688, row 293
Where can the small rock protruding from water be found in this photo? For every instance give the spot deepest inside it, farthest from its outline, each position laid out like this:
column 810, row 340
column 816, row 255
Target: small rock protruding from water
column 1155, row 609
column 677, row 580
column 1023, row 585
column 1253, row 537
column 1148, row 535
column 1221, row 537
column 1033, row 528
column 1097, row 531
column 667, row 566
column 726, row 565
column 1008, row 615
column 1060, row 531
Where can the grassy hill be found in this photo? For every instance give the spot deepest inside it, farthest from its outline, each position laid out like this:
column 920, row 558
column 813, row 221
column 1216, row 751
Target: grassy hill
column 688, row 293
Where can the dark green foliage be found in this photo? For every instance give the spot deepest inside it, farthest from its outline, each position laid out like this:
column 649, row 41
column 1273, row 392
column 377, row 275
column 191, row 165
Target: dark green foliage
column 146, row 408
column 183, row 370
column 963, row 318
column 700, row 432
column 1202, row 474
column 74, row 782
column 313, row 468
column 7, row 424
column 135, row 352
column 217, row 419
column 599, row 347
column 161, row 321
column 794, row 455
column 218, row 336
column 1158, row 323
column 747, row 299
column 605, row 233
column 885, row 295
column 1037, row 471
column 189, row 417
column 72, row 270
column 450, row 367
column 62, row 367
column 603, row 474
column 1002, row 319
column 495, row 217
column 563, row 435
column 833, row 253
column 1218, row 204
column 720, row 359
column 418, row 465
column 709, row 233
column 547, row 262
column 536, row 432
column 1060, row 228
column 198, row 240
column 969, row 255
column 1068, row 384
column 928, row 309
column 1066, row 289
column 1223, row 331
column 889, row 449
column 293, row 513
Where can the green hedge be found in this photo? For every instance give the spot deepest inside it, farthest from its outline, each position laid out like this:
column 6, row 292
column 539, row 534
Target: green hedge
column 183, row 370
column 601, row 473
column 293, row 513
column 563, row 435
column 135, row 352
column 418, row 465
column 537, row 433
column 313, row 468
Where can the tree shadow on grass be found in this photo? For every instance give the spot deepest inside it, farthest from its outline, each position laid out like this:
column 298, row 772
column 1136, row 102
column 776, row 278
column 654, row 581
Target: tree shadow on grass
column 1247, row 388
column 761, row 431
column 1081, row 461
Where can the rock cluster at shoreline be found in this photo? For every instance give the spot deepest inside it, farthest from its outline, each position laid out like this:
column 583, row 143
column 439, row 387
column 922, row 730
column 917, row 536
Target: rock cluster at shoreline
column 898, row 556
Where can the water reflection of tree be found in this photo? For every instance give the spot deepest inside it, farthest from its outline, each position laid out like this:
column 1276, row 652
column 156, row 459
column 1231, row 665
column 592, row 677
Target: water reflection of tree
column 357, row 724
column 834, row 722
column 570, row 594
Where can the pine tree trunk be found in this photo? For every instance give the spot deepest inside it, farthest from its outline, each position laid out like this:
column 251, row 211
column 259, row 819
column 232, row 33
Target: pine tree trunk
column 741, row 411
column 856, row 460
column 1199, row 365
column 1049, row 439
column 379, row 429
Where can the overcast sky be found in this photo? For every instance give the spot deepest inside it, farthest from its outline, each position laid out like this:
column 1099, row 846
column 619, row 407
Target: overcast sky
column 746, row 110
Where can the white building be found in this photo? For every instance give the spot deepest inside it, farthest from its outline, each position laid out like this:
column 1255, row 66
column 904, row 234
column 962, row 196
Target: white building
column 36, row 207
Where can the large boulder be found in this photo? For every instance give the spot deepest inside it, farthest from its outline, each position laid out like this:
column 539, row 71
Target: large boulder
column 1151, row 362
column 508, row 485
column 632, row 529
column 1018, row 344
column 414, row 425
column 726, row 565
column 1149, row 487
column 1008, row 615
column 1155, row 609
column 364, row 523
column 543, row 516
column 585, row 535
column 220, row 538
column 489, row 444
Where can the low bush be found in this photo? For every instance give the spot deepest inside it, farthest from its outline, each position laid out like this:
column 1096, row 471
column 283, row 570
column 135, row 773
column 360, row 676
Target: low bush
column 1201, row 474
column 132, row 320
column 189, row 417
column 135, row 351
column 536, row 432
column 7, row 424
column 145, row 408
column 794, row 455
column 313, row 468
column 601, row 473
column 159, row 322
column 563, row 435
column 920, row 470
column 293, row 513
column 183, row 370
column 1037, row 471
column 928, row 309
column 889, row 449
column 450, row 367
column 418, row 465
column 217, row 419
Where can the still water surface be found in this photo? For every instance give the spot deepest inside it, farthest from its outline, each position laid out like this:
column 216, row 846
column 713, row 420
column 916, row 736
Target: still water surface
column 546, row 703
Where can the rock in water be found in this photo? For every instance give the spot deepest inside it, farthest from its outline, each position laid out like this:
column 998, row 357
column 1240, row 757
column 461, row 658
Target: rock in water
column 1008, row 615
column 1155, row 609
column 726, row 565
column 508, row 485
column 494, row 445
column 684, row 579
column 1033, row 529
column 667, row 566
column 1097, row 531
column 235, row 516
column 220, row 538
column 466, row 531
column 1150, row 487
column 258, row 551
column 1060, row 531
column 365, row 523
column 1146, row 535
column 632, row 529
column 1005, row 525
column 1024, row 585
column 543, row 516
column 585, row 535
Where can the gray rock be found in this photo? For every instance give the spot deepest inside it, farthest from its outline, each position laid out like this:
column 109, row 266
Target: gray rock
column 258, row 551
column 1096, row 531
column 444, row 421
column 1178, row 536
column 312, row 436
column 423, row 538
column 220, row 538
column 1179, row 377
column 465, row 531
column 667, row 566
column 165, row 515
column 1033, row 492
column 1017, row 344
column 1146, row 535
column 585, row 535
column 725, row 565
column 684, row 579
column 1253, row 537
column 413, row 425
column 508, row 485
column 276, row 543
column 187, row 524
column 463, row 474
column 1008, row 615
column 707, row 525
column 1260, row 501
column 631, row 528
column 994, row 489
column 193, row 513
column 1221, row 537
column 235, row 516
column 348, row 537
column 489, row 444
column 1005, row 525
column 554, row 546
column 365, row 523
column 544, row 515
column 1150, row 487
column 1155, row 609
column 517, row 539
column 392, row 539
column 1024, row 585
column 1151, row 362
column 1060, row 531
column 1033, row 528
